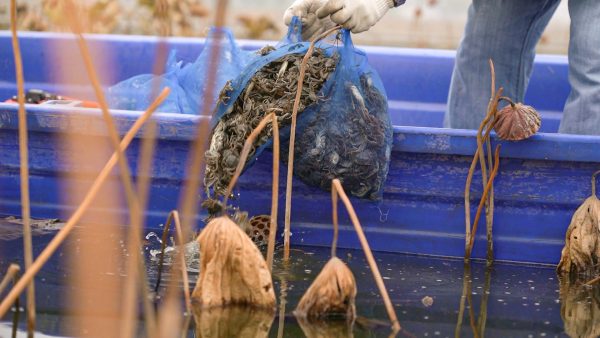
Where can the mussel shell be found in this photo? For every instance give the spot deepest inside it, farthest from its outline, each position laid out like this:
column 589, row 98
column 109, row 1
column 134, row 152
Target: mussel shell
column 518, row 122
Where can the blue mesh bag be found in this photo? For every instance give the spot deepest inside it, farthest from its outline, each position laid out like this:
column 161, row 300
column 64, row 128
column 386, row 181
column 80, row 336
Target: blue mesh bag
column 342, row 98
column 348, row 133
column 186, row 81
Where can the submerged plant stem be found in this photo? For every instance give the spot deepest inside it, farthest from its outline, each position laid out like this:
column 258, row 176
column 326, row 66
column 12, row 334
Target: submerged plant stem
column 337, row 186
column 23, row 167
column 174, row 218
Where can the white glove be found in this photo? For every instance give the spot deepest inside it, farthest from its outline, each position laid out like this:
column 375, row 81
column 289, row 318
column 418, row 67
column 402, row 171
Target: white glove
column 306, row 10
column 355, row 15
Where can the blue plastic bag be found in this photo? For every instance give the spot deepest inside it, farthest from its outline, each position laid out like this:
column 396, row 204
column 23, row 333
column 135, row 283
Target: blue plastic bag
column 231, row 61
column 343, row 130
column 135, row 93
column 186, row 81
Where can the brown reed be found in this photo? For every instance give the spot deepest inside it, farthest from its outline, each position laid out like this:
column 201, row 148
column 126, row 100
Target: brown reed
column 62, row 234
column 290, row 171
column 336, row 186
column 270, row 117
column 23, row 167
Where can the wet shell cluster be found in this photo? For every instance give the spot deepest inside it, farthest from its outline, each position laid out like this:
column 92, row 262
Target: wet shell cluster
column 348, row 138
column 272, row 89
column 517, row 122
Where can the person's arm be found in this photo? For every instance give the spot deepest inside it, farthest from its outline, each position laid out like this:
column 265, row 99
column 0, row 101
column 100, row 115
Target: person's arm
column 355, row 15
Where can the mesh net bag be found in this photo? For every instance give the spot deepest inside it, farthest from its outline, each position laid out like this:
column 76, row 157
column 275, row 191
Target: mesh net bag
column 343, row 128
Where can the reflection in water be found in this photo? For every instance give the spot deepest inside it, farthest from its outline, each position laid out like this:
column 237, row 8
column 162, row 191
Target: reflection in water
column 580, row 308
column 477, row 326
column 326, row 328
column 232, row 321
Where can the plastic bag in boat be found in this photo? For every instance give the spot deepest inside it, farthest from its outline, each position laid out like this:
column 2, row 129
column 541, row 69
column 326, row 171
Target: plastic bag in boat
column 186, row 81
column 135, row 93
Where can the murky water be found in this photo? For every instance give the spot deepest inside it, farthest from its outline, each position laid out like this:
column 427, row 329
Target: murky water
column 433, row 297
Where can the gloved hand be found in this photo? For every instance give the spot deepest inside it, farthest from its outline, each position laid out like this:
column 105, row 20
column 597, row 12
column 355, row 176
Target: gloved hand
column 306, row 10
column 355, row 15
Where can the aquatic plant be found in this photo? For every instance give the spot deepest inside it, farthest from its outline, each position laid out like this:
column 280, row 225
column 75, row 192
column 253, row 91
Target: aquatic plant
column 582, row 240
column 334, row 290
column 232, row 269
column 514, row 122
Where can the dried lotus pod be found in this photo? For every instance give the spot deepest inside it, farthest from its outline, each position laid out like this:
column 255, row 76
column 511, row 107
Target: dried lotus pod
column 232, row 269
column 333, row 292
column 582, row 241
column 517, row 121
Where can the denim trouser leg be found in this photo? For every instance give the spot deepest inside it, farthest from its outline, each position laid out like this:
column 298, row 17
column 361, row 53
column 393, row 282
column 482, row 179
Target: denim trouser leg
column 582, row 110
column 506, row 31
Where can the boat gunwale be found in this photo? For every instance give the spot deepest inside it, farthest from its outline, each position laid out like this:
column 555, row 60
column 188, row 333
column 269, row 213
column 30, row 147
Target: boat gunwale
column 441, row 141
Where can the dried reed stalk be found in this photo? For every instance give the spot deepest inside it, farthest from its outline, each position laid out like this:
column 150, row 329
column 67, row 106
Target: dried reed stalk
column 483, row 138
column 189, row 202
column 337, row 186
column 272, row 117
column 189, row 197
column 143, row 189
column 333, row 292
column 23, row 167
column 62, row 234
column 12, row 272
column 484, row 196
column 290, row 171
column 133, row 201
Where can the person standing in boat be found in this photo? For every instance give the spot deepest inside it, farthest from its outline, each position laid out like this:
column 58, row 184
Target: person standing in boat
column 505, row 31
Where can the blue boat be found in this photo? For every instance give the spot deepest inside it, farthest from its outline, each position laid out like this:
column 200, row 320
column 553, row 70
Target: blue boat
column 541, row 180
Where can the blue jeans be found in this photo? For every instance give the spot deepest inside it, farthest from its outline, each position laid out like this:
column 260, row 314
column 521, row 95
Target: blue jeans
column 507, row 31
